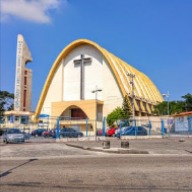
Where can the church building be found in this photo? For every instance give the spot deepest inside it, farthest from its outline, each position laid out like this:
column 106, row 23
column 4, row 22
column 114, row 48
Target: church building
column 88, row 82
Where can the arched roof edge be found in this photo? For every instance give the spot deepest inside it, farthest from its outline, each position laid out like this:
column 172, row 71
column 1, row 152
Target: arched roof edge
column 58, row 60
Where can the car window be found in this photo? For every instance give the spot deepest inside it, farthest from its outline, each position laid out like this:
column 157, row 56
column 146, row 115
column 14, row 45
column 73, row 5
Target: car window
column 140, row 128
column 72, row 130
column 11, row 131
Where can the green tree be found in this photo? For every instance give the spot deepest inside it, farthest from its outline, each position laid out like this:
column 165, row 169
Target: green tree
column 6, row 101
column 126, row 106
column 119, row 113
column 174, row 106
column 188, row 102
column 115, row 116
column 160, row 109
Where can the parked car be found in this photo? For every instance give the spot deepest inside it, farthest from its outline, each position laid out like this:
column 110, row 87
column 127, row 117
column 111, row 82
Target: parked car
column 27, row 135
column 111, row 132
column 70, row 132
column 38, row 132
column 2, row 130
column 13, row 135
column 99, row 132
column 137, row 130
column 118, row 130
column 49, row 133
column 46, row 133
column 26, row 132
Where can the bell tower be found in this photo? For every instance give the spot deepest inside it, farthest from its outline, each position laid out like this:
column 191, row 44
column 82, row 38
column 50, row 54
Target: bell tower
column 23, row 77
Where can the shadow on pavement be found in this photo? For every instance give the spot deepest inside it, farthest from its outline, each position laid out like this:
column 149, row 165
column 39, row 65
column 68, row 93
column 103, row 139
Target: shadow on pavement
column 9, row 171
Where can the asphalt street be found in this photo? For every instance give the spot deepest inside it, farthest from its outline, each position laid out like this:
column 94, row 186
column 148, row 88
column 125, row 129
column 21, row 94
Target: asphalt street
column 50, row 166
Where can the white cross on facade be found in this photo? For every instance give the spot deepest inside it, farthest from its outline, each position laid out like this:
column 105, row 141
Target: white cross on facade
column 82, row 62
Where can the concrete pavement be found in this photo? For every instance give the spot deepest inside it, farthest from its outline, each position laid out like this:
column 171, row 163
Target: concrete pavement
column 138, row 146
column 45, row 148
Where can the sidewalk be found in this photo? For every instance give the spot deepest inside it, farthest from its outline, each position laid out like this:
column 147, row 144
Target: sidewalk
column 178, row 146
column 108, row 149
column 140, row 146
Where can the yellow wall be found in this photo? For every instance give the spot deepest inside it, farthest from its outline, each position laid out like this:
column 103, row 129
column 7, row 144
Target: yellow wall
column 88, row 106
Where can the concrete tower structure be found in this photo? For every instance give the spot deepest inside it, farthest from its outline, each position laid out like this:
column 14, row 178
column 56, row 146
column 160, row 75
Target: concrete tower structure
column 21, row 114
column 23, row 77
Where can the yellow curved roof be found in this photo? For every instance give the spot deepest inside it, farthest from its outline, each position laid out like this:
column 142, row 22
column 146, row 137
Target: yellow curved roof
column 144, row 87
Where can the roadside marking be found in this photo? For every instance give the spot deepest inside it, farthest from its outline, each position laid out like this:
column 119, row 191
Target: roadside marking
column 95, row 155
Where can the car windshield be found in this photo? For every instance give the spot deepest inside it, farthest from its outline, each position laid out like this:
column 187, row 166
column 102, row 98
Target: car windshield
column 11, row 131
column 72, row 130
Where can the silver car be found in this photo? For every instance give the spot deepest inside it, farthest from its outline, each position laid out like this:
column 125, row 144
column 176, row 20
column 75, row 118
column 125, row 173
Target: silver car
column 13, row 135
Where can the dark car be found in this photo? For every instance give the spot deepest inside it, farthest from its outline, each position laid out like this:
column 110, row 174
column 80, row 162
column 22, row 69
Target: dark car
column 38, row 132
column 99, row 132
column 2, row 130
column 133, row 131
column 13, row 135
column 70, row 132
column 27, row 135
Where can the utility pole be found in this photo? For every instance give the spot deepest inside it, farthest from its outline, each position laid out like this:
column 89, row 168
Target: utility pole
column 95, row 91
column 132, row 76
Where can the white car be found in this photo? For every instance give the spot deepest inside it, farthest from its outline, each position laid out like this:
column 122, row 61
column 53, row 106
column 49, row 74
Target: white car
column 118, row 130
column 13, row 135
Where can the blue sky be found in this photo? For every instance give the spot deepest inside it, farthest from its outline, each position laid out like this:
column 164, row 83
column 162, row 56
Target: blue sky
column 154, row 36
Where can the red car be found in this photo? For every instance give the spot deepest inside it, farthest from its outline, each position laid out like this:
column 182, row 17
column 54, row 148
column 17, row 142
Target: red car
column 111, row 132
column 46, row 134
column 49, row 133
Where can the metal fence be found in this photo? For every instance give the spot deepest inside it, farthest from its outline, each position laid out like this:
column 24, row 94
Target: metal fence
column 154, row 126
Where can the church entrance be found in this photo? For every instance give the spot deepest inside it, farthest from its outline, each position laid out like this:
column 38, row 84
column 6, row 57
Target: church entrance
column 76, row 118
column 77, row 113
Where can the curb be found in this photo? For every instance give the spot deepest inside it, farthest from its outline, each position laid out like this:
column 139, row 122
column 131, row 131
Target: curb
column 117, row 150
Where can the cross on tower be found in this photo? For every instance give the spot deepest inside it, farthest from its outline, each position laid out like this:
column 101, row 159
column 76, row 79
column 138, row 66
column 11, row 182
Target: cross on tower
column 82, row 63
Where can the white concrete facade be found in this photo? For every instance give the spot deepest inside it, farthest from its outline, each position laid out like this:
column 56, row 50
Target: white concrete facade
column 65, row 85
column 23, row 77
column 82, row 67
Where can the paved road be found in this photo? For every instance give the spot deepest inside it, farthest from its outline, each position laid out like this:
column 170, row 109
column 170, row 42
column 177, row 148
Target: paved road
column 54, row 167
column 98, row 173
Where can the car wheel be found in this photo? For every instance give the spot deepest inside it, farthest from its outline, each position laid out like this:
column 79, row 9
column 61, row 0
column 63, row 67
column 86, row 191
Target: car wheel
column 6, row 142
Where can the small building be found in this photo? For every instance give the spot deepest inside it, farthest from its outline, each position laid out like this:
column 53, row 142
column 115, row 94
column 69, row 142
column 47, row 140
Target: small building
column 183, row 122
column 18, row 119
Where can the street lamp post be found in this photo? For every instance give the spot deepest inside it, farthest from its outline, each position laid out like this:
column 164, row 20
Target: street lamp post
column 96, row 91
column 132, row 76
column 167, row 95
column 168, row 120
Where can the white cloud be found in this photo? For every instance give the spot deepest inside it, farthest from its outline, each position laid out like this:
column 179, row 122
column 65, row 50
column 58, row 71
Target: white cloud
column 31, row 10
